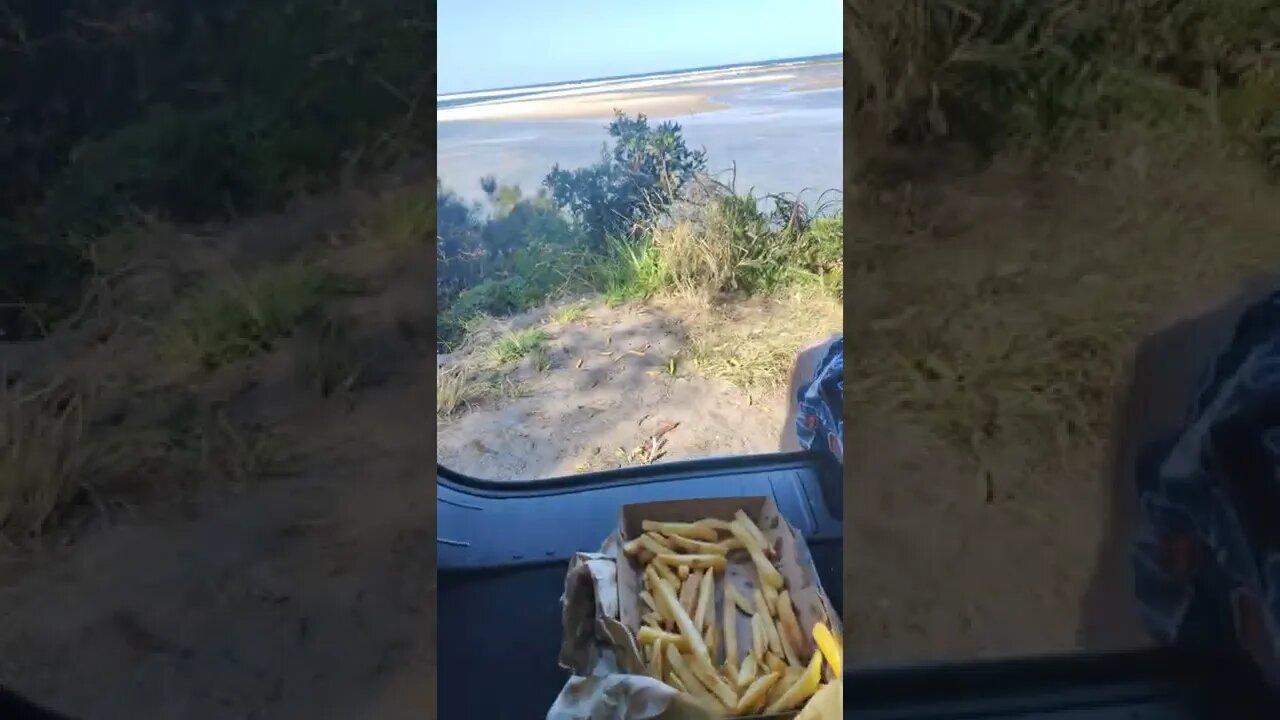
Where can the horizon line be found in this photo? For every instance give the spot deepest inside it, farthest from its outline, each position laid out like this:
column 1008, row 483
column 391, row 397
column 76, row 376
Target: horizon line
column 767, row 61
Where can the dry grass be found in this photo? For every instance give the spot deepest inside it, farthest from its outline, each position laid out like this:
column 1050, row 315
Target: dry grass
column 44, row 454
column 1002, row 309
column 753, row 345
column 464, row 385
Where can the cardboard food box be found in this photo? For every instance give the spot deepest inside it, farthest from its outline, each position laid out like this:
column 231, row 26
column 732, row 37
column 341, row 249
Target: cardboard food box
column 602, row 610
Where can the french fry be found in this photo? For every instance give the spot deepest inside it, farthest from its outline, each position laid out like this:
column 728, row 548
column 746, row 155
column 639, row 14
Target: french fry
column 681, row 669
column 632, row 547
column 789, row 678
column 804, row 687
column 765, row 569
column 655, row 583
column 666, row 596
column 747, row 672
column 682, row 572
column 829, row 646
column 699, row 547
column 648, row 636
column 647, row 597
column 715, row 524
column 754, row 696
column 694, row 530
column 665, row 573
column 770, row 597
column 707, row 674
column 647, row 542
column 771, row 633
column 690, row 588
column 730, row 629
column 750, row 526
column 758, row 642
column 660, row 539
column 775, row 663
column 698, row 562
column 828, row 702
column 706, row 596
column 789, row 626
column 674, row 681
column 713, row 646
column 651, row 619
column 738, row 599
column 655, row 659
column 730, row 544
column 789, row 651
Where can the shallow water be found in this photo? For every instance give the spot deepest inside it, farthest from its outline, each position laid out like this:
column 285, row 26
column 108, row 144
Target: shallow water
column 781, row 136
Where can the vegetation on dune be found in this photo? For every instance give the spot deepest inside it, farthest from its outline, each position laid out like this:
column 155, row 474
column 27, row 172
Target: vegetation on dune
column 1035, row 183
column 189, row 111
column 127, row 125
column 645, row 220
column 1045, row 71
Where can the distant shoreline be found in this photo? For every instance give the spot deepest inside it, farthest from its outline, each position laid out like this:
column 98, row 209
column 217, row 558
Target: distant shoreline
column 680, row 93
column 797, row 61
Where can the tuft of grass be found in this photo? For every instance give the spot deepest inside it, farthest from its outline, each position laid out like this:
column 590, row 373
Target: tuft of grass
column 45, row 455
column 569, row 313
column 541, row 358
column 456, row 388
column 461, row 387
column 404, row 218
column 330, row 363
column 238, row 318
column 515, row 345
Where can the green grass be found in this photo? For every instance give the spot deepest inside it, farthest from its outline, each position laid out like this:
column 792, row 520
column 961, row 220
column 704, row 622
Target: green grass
column 404, row 218
column 236, row 317
column 726, row 246
column 1038, row 73
column 515, row 345
column 569, row 314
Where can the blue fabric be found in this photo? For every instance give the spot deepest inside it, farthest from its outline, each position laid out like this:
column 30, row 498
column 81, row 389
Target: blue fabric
column 820, row 421
column 1207, row 554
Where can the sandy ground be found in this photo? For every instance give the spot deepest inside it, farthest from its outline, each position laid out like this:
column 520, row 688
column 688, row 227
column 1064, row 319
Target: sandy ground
column 656, row 98
column 1017, row 544
column 304, row 594
column 585, row 107
column 606, row 393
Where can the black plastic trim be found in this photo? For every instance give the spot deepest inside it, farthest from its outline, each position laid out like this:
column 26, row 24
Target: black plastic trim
column 1152, row 684
column 502, row 525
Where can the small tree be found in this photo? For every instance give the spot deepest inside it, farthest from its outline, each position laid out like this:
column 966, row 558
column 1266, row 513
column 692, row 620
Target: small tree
column 643, row 174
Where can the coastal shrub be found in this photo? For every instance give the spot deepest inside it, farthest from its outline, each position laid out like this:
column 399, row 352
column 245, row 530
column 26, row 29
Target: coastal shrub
column 640, row 176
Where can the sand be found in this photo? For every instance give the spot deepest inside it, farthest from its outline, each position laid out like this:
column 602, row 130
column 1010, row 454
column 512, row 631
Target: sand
column 571, row 418
column 659, row 97
column 583, row 107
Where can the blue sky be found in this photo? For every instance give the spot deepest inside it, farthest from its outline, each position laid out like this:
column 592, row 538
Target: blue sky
column 502, row 43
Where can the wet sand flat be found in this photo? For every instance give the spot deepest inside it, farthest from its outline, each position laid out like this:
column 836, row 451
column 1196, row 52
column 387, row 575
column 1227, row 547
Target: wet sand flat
column 772, row 129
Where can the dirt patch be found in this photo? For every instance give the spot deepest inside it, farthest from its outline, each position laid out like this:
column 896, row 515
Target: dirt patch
column 619, row 386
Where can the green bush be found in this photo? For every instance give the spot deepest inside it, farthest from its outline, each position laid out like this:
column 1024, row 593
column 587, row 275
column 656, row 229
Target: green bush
column 642, row 175
column 626, row 228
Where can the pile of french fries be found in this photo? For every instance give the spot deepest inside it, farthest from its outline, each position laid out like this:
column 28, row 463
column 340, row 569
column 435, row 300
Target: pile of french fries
column 774, row 669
